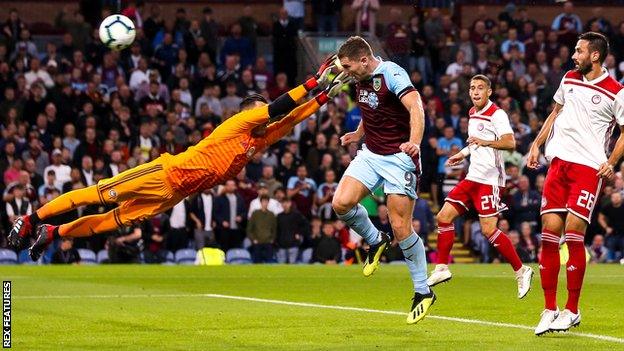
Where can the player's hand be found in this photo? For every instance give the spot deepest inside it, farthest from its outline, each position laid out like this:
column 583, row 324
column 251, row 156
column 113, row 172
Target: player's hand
column 322, row 75
column 606, row 171
column 412, row 149
column 478, row 142
column 335, row 87
column 352, row 137
column 532, row 159
column 455, row 159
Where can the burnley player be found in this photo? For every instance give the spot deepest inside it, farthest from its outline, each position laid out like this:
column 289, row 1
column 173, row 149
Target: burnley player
column 588, row 104
column 489, row 133
column 393, row 123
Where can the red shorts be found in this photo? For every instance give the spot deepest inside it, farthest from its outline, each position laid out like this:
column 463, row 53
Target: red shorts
column 571, row 187
column 482, row 197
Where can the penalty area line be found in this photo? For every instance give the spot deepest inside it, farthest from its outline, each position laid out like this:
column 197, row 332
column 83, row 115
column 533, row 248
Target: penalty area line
column 312, row 305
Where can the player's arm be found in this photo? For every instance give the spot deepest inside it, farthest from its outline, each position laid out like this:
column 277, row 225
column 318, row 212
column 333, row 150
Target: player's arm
column 506, row 142
column 277, row 130
column 413, row 103
column 281, row 128
column 543, row 134
column 606, row 169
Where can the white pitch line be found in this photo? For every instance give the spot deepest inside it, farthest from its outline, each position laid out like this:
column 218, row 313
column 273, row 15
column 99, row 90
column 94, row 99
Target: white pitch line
column 313, row 305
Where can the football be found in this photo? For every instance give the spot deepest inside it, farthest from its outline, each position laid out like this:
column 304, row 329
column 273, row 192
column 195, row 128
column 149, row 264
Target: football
column 117, row 32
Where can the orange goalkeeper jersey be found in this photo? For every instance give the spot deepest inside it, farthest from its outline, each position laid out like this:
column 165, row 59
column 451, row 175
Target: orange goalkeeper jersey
column 225, row 152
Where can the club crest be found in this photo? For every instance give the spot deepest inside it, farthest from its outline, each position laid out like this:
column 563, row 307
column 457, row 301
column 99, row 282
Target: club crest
column 112, row 194
column 377, row 83
column 596, row 99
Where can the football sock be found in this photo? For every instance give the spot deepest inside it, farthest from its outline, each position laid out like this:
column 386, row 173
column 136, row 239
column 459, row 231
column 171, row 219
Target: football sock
column 414, row 252
column 90, row 225
column 549, row 268
column 446, row 237
column 357, row 219
column 575, row 268
column 502, row 243
column 70, row 201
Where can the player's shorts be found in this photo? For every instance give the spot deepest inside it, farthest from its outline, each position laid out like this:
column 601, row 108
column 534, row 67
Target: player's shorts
column 142, row 192
column 484, row 198
column 396, row 172
column 571, row 187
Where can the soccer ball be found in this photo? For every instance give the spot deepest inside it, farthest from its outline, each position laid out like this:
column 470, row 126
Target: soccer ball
column 117, row 32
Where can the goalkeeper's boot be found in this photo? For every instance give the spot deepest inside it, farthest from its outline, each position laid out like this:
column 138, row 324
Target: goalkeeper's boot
column 565, row 321
column 19, row 234
column 420, row 306
column 45, row 236
column 440, row 274
column 374, row 255
column 546, row 319
column 524, row 276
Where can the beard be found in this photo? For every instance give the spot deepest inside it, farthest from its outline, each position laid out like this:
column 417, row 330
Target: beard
column 584, row 69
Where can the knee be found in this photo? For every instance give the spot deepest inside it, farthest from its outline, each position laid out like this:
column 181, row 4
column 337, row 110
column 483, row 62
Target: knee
column 341, row 205
column 444, row 217
column 488, row 229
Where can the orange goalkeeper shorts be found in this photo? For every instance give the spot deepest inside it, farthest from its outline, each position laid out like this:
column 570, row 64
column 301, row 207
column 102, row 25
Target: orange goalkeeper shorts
column 141, row 192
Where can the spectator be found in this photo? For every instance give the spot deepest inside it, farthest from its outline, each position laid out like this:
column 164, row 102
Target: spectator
column 284, row 45
column 567, row 25
column 36, row 74
column 123, row 245
column 210, row 98
column 598, row 251
column 61, row 170
column 210, row 32
column 327, row 248
column 263, row 191
column 249, row 26
column 525, row 204
column 295, row 10
column 202, row 215
column 262, row 231
column 19, row 205
column 611, row 220
column 397, row 39
column 327, row 14
column 301, row 190
column 325, row 195
column 512, row 42
column 238, row 45
column 228, row 214
column 179, row 219
column 514, row 237
column 292, row 228
column 269, row 180
column 66, row 254
column 365, row 15
column 74, row 23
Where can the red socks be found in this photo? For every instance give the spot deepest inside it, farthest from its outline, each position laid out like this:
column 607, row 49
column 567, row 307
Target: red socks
column 446, row 237
column 549, row 268
column 502, row 243
column 575, row 268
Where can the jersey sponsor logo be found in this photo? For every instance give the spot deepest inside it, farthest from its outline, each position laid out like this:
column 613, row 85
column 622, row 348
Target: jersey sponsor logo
column 112, row 194
column 370, row 99
column 251, row 151
column 480, row 127
column 596, row 99
column 377, row 83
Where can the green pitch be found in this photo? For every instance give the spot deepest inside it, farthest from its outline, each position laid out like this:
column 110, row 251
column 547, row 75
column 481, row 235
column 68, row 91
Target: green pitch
column 176, row 308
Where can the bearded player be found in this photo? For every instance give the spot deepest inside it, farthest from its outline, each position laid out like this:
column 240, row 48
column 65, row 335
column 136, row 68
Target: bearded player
column 577, row 132
column 393, row 123
column 152, row 188
column 489, row 133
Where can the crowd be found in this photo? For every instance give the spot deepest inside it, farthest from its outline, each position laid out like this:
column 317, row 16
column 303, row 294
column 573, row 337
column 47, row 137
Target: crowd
column 74, row 113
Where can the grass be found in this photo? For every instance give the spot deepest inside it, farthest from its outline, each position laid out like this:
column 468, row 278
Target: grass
column 191, row 322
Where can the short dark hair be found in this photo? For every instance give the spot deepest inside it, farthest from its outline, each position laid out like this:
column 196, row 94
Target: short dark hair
column 252, row 99
column 597, row 42
column 483, row 78
column 264, row 198
column 354, row 48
